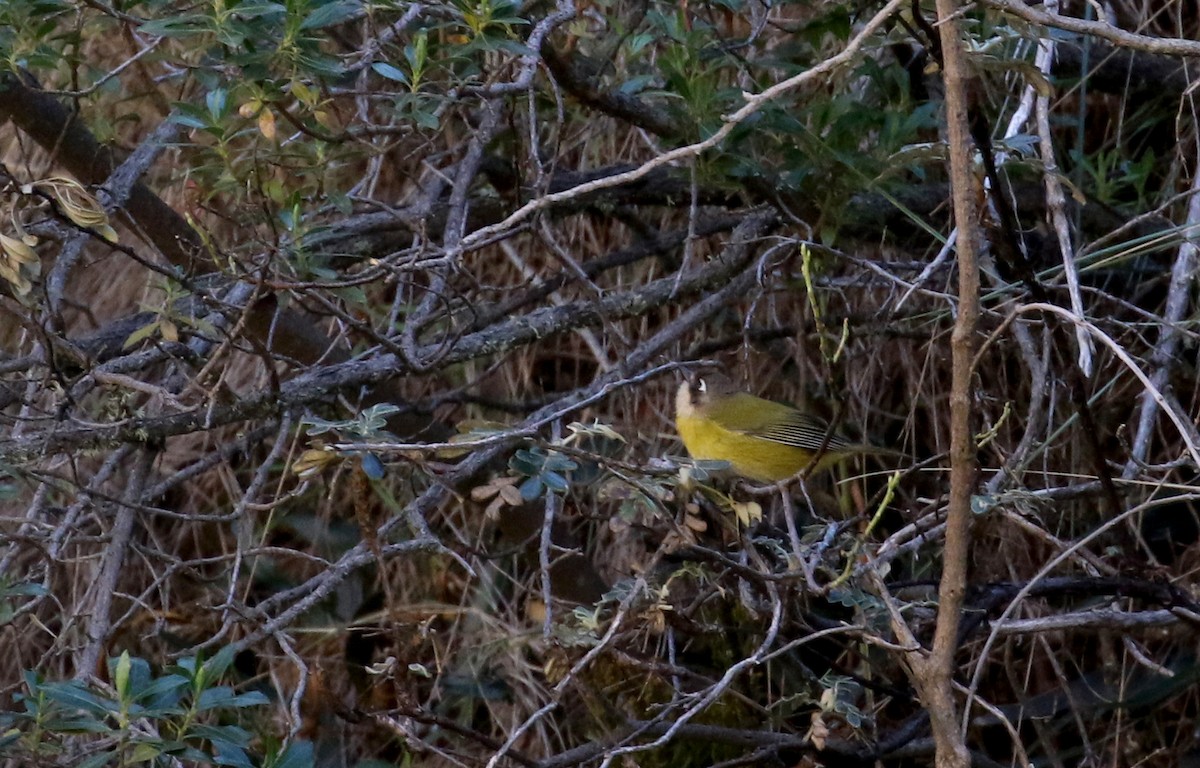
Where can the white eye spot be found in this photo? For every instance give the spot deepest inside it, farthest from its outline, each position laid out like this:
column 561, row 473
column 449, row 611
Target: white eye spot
column 703, row 385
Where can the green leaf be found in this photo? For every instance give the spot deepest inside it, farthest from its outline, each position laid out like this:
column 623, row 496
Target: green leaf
column 560, row 463
column 193, row 754
column 372, row 467
column 215, row 667
column 100, row 760
column 72, row 694
column 383, row 69
column 145, row 751
column 250, row 699
column 230, row 754
column 140, row 675
column 374, row 418
column 24, row 589
column 526, row 462
column 426, row 119
column 216, row 101
column 33, row 681
column 298, row 754
column 181, row 26
column 141, row 334
column 188, row 117
column 76, row 725
column 555, row 482
column 250, row 10
column 189, row 666
column 225, row 734
column 121, row 676
column 214, row 698
column 531, row 489
column 163, row 694
column 332, row 13
column 223, row 696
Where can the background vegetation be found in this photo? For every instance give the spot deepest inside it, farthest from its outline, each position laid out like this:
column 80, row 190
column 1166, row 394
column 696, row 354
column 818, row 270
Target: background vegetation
column 340, row 340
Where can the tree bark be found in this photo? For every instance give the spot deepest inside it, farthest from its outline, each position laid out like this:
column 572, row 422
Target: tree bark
column 935, row 673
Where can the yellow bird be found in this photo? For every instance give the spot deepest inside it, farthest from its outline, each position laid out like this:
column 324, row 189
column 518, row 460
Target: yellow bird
column 762, row 440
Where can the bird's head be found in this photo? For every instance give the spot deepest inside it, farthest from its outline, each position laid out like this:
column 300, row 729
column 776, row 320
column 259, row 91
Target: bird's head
column 700, row 389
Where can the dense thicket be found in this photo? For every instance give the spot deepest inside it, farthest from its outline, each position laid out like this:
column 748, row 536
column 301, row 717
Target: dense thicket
column 340, row 340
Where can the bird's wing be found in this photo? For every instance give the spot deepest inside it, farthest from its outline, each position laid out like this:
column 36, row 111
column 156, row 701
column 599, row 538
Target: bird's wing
column 802, row 431
column 767, row 420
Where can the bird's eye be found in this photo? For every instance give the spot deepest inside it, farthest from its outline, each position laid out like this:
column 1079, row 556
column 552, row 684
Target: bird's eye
column 702, row 385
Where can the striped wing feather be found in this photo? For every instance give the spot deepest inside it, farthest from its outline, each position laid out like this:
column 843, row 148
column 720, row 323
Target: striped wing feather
column 801, row 431
column 776, row 422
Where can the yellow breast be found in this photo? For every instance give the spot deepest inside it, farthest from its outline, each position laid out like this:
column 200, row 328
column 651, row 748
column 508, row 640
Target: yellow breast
column 754, row 458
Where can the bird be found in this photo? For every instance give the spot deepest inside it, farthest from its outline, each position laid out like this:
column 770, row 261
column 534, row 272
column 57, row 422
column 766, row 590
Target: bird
column 762, row 440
